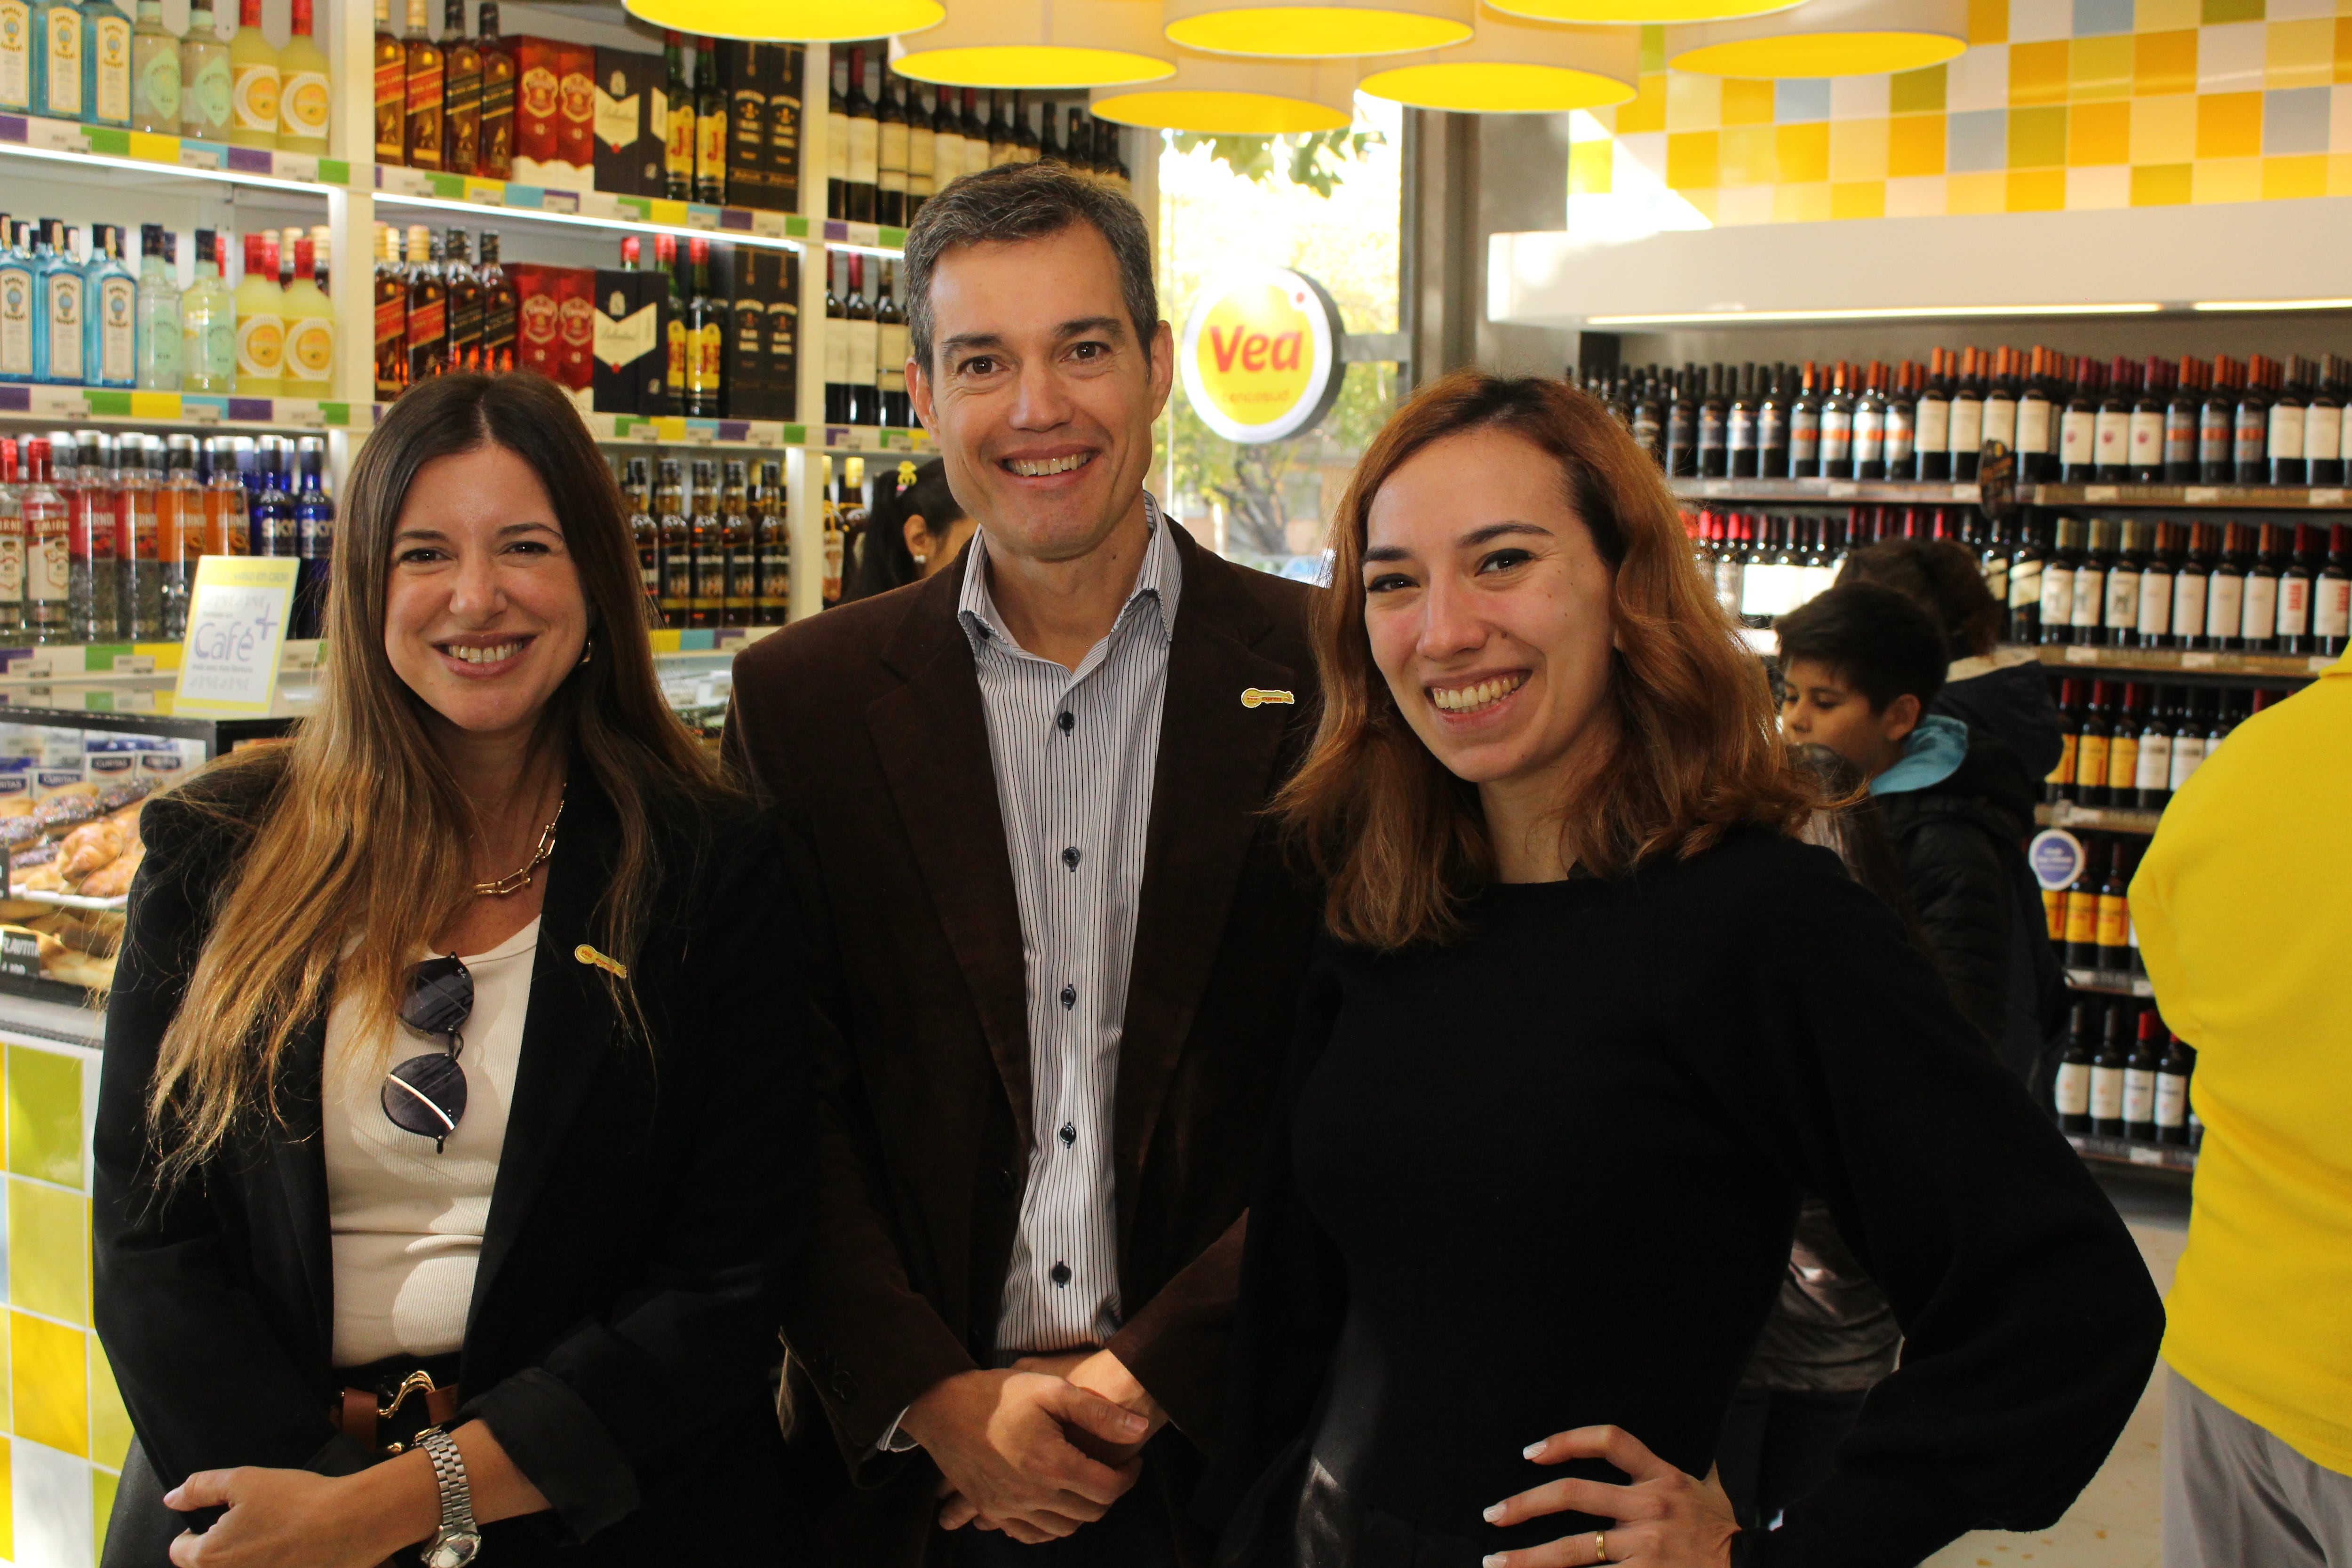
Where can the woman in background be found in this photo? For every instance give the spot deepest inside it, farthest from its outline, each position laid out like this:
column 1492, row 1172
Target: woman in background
column 911, row 534
column 452, row 1140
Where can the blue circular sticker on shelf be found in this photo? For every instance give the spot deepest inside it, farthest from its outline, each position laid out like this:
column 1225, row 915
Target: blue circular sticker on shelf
column 2057, row 857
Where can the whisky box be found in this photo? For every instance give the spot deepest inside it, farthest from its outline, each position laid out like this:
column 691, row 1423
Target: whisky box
column 537, row 334
column 781, row 157
column 743, row 73
column 538, row 101
column 783, row 343
column 575, row 124
column 628, row 150
column 575, row 314
column 748, row 274
column 627, row 346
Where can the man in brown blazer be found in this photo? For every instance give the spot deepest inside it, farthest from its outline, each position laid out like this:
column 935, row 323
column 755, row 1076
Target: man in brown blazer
column 1055, row 938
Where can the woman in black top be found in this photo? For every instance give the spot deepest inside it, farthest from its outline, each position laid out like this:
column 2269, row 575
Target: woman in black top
column 1560, row 1083
column 378, row 1268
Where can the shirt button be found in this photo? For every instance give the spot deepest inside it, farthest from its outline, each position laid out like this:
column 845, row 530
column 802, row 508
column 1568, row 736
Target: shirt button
column 1068, row 723
column 1070, row 856
column 1069, row 1134
column 1069, row 997
column 1061, row 1274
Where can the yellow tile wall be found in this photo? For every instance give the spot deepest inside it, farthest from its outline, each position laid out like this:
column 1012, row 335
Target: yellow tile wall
column 2200, row 101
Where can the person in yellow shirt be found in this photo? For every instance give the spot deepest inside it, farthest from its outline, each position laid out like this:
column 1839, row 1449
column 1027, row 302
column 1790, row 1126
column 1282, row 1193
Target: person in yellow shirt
column 2244, row 909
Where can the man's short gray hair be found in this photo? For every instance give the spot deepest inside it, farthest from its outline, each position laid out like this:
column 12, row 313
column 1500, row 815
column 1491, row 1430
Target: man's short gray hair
column 1014, row 201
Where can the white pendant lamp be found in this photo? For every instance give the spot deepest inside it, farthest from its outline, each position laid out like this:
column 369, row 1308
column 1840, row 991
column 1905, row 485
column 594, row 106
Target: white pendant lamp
column 1264, row 30
column 1516, row 67
column 1824, row 39
column 1049, row 43
column 794, row 21
column 1237, row 98
column 1644, row 13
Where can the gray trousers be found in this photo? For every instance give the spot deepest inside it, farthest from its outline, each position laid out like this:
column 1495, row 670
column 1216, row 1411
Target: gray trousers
column 2236, row 1497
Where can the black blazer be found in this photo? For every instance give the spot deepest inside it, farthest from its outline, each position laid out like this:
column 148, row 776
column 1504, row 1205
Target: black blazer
column 648, row 1208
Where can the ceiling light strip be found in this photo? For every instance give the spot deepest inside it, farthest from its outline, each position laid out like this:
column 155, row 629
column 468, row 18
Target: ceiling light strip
column 2272, row 305
column 1898, row 312
column 140, row 165
column 482, row 211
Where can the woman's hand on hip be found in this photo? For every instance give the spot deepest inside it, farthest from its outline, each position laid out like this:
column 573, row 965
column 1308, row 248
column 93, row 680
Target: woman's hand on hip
column 1664, row 1519
column 297, row 1519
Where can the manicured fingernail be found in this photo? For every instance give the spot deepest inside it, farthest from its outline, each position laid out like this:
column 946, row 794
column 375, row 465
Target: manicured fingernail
column 1495, row 1514
column 1533, row 1450
column 1494, row 1561
column 172, row 1498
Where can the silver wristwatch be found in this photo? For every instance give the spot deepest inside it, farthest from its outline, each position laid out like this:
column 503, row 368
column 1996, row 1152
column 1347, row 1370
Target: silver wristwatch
column 459, row 1539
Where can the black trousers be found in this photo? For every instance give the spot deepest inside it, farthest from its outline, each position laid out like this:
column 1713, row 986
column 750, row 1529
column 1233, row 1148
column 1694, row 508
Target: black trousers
column 1133, row 1534
column 1777, row 1445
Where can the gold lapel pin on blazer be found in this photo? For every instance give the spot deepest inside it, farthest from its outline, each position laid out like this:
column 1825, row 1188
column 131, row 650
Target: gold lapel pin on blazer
column 588, row 956
column 1259, row 696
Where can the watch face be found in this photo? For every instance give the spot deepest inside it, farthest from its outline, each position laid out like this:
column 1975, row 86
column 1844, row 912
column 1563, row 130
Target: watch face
column 454, row 1549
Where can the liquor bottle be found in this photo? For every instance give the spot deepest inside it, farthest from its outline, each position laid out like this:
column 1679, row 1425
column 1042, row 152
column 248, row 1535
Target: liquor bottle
column 676, row 105
column 154, row 73
column 226, row 503
column 2000, row 399
column 2057, row 614
column 2181, row 413
column 2225, row 591
column 421, row 92
column 1648, row 423
column 11, row 533
column 134, row 609
column 737, row 550
column 2251, row 453
column 2151, row 623
column 391, row 316
column 2191, row 582
column 1713, row 461
column 1837, row 427
column 271, row 520
column 2285, row 435
column 17, row 40
column 2172, row 1091
column 837, row 139
column 253, row 81
column 2078, row 426
column 2111, row 424
column 494, row 159
column 707, row 549
column 1772, row 426
column 1933, row 414
column 890, row 352
column 2322, row 424
column 922, row 152
column 2114, row 913
column 711, row 126
column 2107, row 1074
column 677, row 544
column 2189, row 739
column 2087, row 613
column 2152, row 771
column 865, row 167
column 390, row 89
column 2331, row 595
column 2037, row 417
column 950, row 149
column 2071, row 1091
column 61, row 298
column 1739, row 460
column 2119, row 620
column 1682, row 427
column 2258, row 615
column 2144, row 440
column 2139, row 1080
column 19, row 301
column 501, row 309
column 304, row 102
column 2217, row 424
column 427, row 335
column 314, row 537
column 59, row 35
column 2298, row 544
column 862, row 341
column 2090, row 785
column 310, row 317
column 705, row 341
column 461, row 93
column 1902, row 422
column 1003, row 147
column 179, row 533
column 89, row 540
column 464, row 286
column 891, row 151
column 2024, row 564
column 644, row 534
column 773, row 538
column 1869, row 425
column 260, row 321
column 111, row 320
column 208, row 324
column 46, row 560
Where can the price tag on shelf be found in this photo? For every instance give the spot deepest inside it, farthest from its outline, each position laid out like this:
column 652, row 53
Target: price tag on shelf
column 2202, row 495
column 2320, row 661
column 2145, row 1156
column 2327, row 498
column 1969, row 493
column 2198, row 661
column 2092, row 494
column 1842, row 491
column 236, row 635
column 2076, row 654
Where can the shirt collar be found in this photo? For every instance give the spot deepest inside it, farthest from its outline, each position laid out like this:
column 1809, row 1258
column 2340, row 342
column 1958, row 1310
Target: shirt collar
column 1160, row 578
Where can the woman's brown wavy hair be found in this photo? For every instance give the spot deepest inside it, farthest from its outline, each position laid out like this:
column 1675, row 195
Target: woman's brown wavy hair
column 1398, row 840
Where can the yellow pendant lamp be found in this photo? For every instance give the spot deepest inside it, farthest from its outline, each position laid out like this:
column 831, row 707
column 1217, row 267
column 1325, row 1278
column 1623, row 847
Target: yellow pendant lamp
column 1826, row 39
column 1342, row 31
column 1516, row 67
column 1646, row 13
column 1223, row 97
column 794, row 21
column 1047, row 44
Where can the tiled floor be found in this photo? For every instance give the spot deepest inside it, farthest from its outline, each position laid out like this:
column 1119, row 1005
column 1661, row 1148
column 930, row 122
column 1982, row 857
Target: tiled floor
column 2116, row 1522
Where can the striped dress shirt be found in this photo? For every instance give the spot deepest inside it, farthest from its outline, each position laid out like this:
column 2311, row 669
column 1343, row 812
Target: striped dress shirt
column 1074, row 754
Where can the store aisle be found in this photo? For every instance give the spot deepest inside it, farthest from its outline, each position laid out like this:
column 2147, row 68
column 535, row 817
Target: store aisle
column 2117, row 1520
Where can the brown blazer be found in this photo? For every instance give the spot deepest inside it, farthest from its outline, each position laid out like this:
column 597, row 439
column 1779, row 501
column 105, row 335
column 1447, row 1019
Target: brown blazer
column 864, row 729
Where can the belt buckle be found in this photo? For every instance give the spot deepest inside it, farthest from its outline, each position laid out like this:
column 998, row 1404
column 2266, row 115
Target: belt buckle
column 388, row 1406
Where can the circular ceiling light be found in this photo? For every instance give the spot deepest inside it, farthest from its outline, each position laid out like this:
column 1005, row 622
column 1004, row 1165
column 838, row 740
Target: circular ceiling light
column 1644, row 13
column 1518, row 67
column 792, row 21
column 1318, row 32
column 1237, row 98
column 1048, row 43
column 1826, row 39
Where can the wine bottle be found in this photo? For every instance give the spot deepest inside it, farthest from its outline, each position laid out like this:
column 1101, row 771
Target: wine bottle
column 2115, row 915
column 2119, row 622
column 2191, row 584
column 2152, row 774
column 2182, row 414
column 2251, row 452
column 2323, row 424
column 2027, row 561
column 2258, row 621
column 2057, row 613
column 1870, row 424
column 2217, row 428
column 1740, row 426
column 2111, row 427
column 2000, row 384
column 2294, row 584
column 2107, row 1075
column 2087, row 613
column 2284, row 437
column 1805, row 430
column 1902, row 422
column 2071, row 1090
column 1933, row 435
column 2035, row 416
column 2078, row 426
column 2144, row 466
column 2225, row 590
column 2331, row 594
column 1682, row 424
column 2139, row 1080
column 2189, row 740
column 2172, row 1092
column 1837, row 426
column 2152, row 623
column 1713, row 455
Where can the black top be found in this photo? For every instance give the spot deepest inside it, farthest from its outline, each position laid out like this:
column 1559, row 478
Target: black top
column 2013, row 702
column 1548, row 1178
column 651, row 1198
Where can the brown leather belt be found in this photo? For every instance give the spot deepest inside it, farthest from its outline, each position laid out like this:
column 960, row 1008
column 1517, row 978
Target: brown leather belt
column 365, row 1415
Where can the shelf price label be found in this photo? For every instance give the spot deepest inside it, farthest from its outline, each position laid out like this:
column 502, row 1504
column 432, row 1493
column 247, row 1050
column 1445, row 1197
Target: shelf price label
column 236, row 635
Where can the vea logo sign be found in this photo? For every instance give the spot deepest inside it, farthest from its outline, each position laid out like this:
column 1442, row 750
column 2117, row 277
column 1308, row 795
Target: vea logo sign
column 1261, row 355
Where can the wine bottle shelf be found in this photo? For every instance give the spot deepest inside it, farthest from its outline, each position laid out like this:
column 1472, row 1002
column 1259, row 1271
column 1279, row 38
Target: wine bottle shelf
column 1917, row 493
column 2132, row 1151
column 31, row 134
column 2101, row 818
column 1825, row 491
column 181, row 410
column 2109, row 983
column 399, row 186
column 2174, row 661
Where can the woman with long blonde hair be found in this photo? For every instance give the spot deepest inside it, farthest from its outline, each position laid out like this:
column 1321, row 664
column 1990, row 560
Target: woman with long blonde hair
column 1591, row 1021
column 452, row 1131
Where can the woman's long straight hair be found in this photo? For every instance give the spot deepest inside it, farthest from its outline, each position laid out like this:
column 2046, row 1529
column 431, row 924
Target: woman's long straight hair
column 363, row 842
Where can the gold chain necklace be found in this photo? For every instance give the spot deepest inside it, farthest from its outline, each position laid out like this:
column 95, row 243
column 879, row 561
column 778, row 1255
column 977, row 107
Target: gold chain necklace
column 514, row 881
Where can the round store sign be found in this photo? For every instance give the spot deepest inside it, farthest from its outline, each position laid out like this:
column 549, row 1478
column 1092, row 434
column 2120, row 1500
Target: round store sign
column 2057, row 857
column 1261, row 355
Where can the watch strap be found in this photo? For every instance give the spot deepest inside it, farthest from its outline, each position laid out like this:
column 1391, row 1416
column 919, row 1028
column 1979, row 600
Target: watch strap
column 449, row 1474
